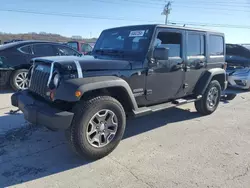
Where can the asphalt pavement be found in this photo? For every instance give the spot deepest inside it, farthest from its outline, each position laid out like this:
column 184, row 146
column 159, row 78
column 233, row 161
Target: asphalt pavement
column 173, row 148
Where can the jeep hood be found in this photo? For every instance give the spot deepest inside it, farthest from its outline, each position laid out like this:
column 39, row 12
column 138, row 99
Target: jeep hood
column 87, row 63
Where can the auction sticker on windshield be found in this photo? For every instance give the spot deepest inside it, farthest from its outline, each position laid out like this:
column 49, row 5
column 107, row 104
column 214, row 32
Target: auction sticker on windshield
column 138, row 33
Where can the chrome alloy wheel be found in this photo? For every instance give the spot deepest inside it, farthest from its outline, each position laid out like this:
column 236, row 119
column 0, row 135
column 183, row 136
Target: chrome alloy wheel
column 212, row 97
column 21, row 80
column 102, row 128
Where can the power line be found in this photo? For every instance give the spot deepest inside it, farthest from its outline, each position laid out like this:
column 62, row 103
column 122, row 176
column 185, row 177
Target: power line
column 132, row 1
column 213, row 4
column 214, row 8
column 73, row 15
column 233, row 3
column 177, row 2
column 124, row 19
column 194, row 6
column 210, row 24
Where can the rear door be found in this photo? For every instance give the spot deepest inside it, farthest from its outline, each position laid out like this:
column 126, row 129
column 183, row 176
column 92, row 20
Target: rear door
column 216, row 50
column 196, row 59
column 165, row 77
column 40, row 50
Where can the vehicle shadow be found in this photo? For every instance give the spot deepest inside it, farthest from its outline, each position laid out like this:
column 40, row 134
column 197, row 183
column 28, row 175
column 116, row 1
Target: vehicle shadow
column 31, row 153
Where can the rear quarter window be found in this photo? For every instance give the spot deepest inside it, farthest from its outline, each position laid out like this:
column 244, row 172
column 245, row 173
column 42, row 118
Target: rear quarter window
column 25, row 49
column 216, row 45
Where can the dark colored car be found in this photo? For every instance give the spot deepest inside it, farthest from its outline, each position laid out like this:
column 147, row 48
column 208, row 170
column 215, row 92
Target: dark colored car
column 15, row 59
column 81, row 46
column 246, row 46
column 14, row 40
column 133, row 71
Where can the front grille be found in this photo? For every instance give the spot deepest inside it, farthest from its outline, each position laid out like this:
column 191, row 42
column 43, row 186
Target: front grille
column 39, row 82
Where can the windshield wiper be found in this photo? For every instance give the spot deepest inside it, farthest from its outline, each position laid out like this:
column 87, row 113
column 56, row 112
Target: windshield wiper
column 109, row 52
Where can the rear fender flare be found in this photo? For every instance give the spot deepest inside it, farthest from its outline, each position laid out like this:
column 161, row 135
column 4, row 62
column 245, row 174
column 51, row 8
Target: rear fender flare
column 207, row 77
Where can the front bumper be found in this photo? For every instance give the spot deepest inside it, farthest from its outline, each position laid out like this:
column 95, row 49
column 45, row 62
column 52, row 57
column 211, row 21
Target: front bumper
column 239, row 82
column 39, row 112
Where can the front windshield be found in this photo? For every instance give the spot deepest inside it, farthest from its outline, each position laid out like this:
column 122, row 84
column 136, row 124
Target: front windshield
column 127, row 40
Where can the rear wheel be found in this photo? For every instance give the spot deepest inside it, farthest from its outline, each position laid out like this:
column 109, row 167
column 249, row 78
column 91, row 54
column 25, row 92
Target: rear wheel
column 97, row 127
column 18, row 79
column 210, row 100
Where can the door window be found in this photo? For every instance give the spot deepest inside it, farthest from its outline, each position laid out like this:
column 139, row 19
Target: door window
column 43, row 49
column 65, row 51
column 86, row 48
column 170, row 40
column 25, row 49
column 196, row 45
column 73, row 45
column 216, row 45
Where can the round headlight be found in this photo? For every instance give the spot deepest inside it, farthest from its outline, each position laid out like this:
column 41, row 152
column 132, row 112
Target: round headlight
column 56, row 80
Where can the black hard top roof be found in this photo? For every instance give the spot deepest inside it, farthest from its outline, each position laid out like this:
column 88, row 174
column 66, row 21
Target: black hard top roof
column 170, row 26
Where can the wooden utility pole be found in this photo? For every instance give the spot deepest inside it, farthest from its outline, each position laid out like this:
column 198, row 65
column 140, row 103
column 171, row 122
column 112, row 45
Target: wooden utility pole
column 166, row 11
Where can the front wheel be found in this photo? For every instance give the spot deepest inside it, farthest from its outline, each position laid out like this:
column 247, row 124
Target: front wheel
column 97, row 127
column 210, row 100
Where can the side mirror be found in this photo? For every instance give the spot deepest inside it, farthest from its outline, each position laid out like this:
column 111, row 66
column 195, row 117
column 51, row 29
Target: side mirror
column 161, row 53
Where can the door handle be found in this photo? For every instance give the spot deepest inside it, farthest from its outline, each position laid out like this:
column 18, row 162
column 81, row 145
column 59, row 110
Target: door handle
column 200, row 64
column 179, row 65
column 150, row 71
column 187, row 68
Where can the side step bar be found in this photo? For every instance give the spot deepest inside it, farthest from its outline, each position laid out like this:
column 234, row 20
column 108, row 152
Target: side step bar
column 147, row 110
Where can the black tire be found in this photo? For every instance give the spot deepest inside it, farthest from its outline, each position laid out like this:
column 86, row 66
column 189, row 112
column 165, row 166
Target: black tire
column 84, row 111
column 13, row 77
column 201, row 105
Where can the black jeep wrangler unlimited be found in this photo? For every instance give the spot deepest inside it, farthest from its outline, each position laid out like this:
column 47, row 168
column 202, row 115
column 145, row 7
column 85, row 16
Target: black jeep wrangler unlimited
column 133, row 70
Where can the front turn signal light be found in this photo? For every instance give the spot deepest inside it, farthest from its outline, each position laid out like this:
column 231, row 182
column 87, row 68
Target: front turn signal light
column 78, row 93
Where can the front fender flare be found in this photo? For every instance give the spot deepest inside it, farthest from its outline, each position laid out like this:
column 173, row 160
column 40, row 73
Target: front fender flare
column 66, row 90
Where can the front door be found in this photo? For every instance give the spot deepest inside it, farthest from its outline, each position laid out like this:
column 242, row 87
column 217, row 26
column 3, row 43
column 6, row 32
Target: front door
column 196, row 61
column 165, row 77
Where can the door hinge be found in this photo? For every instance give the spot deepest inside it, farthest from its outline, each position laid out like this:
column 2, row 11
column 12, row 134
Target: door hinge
column 149, row 91
column 185, row 85
column 150, row 71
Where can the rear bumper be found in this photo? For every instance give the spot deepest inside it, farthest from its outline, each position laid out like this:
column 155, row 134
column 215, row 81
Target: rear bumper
column 41, row 113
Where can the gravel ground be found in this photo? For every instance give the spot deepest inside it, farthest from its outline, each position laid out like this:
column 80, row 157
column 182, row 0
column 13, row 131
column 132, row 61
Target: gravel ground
column 173, row 148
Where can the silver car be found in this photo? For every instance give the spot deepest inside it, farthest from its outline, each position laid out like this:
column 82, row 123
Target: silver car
column 239, row 77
